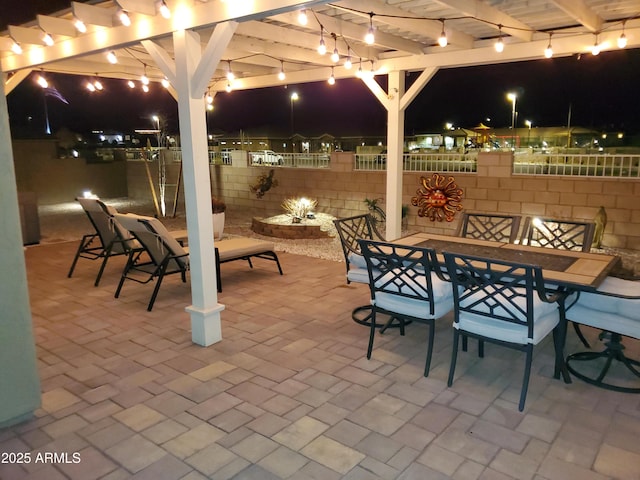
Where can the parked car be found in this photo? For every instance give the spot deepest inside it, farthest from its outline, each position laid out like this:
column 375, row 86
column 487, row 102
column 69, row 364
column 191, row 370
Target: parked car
column 268, row 157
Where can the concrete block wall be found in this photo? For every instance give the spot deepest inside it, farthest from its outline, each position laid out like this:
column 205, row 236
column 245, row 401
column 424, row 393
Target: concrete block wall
column 341, row 191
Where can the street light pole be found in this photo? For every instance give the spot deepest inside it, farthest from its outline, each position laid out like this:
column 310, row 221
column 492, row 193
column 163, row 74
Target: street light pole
column 512, row 97
column 294, row 97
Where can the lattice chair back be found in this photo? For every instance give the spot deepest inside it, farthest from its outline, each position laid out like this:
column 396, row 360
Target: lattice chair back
column 350, row 230
column 485, row 226
column 404, row 285
column 561, row 234
column 503, row 303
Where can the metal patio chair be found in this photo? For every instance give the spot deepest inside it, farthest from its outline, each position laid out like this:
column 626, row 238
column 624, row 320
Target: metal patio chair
column 489, row 226
column 405, row 284
column 164, row 254
column 506, row 304
column 110, row 238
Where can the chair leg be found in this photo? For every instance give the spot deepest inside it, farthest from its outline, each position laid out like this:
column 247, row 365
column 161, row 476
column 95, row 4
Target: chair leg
column 576, row 327
column 525, row 380
column 481, row 348
column 454, row 356
column 372, row 332
column 126, row 269
column 163, row 268
column 86, row 240
column 427, row 364
column 107, row 254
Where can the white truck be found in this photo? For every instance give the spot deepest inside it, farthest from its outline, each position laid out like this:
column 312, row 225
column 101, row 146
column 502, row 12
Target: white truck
column 267, row 157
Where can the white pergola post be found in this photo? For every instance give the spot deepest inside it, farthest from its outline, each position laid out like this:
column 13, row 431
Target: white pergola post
column 19, row 383
column 396, row 102
column 205, row 310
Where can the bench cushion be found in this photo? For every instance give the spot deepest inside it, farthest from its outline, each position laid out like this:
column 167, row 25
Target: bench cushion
column 233, row 248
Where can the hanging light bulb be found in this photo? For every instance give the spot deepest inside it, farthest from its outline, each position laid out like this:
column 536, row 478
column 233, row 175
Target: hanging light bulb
column 335, row 56
column 369, row 38
column 622, row 39
column 548, row 52
column 230, row 76
column 164, row 10
column 228, row 87
column 442, row 41
column 281, row 75
column 210, row 107
column 98, row 84
column 16, row 48
column 42, row 81
column 359, row 72
column 165, row 82
column 322, row 48
column 124, row 18
column 111, row 57
column 144, row 79
column 372, row 72
column 91, row 87
column 80, row 26
column 348, row 63
column 209, row 98
column 332, row 78
column 302, row 17
column 145, row 88
column 499, row 45
column 131, row 84
column 595, row 50
column 47, row 39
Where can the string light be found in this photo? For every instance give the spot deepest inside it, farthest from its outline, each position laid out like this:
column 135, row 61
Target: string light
column 209, row 98
column 369, row 38
column 332, row 78
column 91, row 87
column 98, row 84
column 335, row 56
column 595, row 50
column 348, row 63
column 164, row 10
column 47, row 39
column 111, row 57
column 322, row 48
column 499, row 45
column 548, row 52
column 442, row 41
column 622, row 40
column 359, row 72
column 145, row 88
column 230, row 75
column 228, row 87
column 165, row 82
column 302, row 17
column 16, row 48
column 124, row 18
column 144, row 79
column 42, row 81
column 80, row 26
column 131, row 84
column 281, row 75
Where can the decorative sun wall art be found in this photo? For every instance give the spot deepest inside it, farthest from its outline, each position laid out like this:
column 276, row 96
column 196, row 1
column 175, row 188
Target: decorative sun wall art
column 438, row 198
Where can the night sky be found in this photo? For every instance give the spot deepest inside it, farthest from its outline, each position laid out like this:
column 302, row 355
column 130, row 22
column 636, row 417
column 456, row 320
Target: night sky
column 601, row 91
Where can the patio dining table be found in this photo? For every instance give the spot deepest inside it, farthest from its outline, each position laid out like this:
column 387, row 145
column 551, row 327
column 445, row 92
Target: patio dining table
column 574, row 270
column 566, row 269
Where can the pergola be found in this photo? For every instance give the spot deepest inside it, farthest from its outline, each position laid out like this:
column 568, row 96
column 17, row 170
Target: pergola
column 200, row 42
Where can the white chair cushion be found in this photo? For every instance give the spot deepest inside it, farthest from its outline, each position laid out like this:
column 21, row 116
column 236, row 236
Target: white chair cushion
column 357, row 261
column 545, row 316
column 614, row 322
column 442, row 298
column 614, row 305
column 506, row 331
column 358, row 275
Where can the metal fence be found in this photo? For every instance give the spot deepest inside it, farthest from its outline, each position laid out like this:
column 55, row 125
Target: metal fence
column 421, row 162
column 290, row 160
column 583, row 165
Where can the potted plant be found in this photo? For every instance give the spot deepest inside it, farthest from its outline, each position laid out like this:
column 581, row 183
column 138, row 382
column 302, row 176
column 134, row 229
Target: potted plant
column 218, row 208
